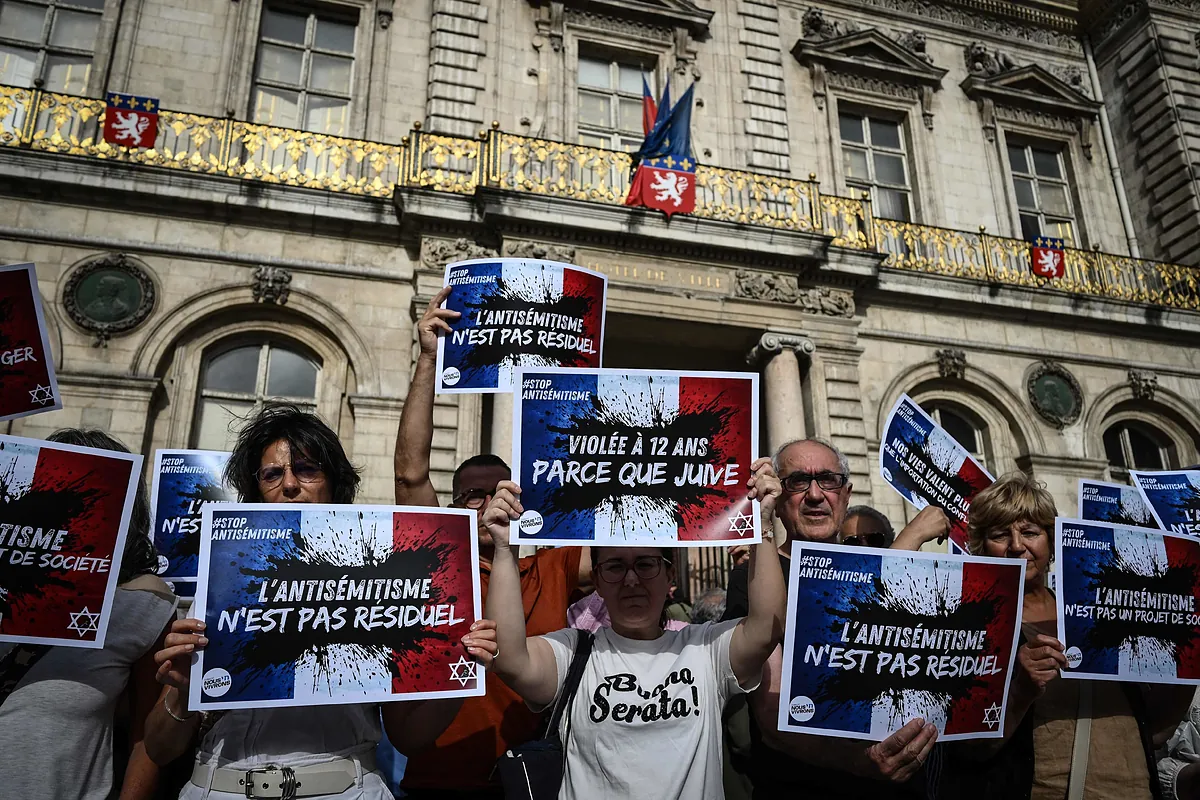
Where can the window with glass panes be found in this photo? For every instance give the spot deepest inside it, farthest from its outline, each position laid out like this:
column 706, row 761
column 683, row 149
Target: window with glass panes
column 960, row 427
column 874, row 160
column 610, row 103
column 1043, row 192
column 304, row 71
column 1135, row 445
column 48, row 43
column 235, row 382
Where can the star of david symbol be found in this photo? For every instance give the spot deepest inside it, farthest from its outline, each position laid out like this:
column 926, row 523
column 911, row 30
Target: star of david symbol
column 991, row 716
column 42, row 394
column 741, row 524
column 462, row 671
column 84, row 622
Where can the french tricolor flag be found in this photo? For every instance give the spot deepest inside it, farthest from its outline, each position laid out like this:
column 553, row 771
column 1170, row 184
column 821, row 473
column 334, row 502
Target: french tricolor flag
column 700, row 426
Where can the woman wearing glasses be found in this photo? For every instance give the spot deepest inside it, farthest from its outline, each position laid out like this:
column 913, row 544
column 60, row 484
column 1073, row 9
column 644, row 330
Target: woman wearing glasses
column 285, row 455
column 647, row 718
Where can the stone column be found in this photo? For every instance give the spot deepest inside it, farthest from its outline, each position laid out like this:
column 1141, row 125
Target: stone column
column 502, row 433
column 778, row 355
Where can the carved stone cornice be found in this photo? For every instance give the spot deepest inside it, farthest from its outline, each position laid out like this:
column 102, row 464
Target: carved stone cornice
column 995, row 83
column 1024, row 21
column 776, row 288
column 772, row 343
column 437, row 253
column 1143, row 384
column 868, row 58
column 638, row 17
column 540, row 250
column 952, row 363
column 271, row 284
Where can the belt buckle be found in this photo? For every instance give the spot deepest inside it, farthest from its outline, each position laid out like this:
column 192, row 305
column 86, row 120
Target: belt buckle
column 287, row 781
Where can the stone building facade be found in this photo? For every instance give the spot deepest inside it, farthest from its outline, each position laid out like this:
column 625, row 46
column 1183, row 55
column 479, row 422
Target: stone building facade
column 871, row 169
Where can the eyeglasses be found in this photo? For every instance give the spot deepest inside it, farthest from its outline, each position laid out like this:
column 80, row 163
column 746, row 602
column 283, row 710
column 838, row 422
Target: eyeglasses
column 271, row 475
column 800, row 481
column 472, row 499
column 874, row 539
column 645, row 567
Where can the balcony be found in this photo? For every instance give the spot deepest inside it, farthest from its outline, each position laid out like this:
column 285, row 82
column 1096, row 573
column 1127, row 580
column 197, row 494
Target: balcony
column 54, row 123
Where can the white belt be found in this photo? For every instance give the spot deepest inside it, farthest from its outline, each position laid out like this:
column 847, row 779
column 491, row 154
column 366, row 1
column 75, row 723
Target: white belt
column 269, row 780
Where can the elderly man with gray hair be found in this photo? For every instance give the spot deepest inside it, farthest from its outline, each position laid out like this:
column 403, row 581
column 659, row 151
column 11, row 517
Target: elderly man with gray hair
column 816, row 494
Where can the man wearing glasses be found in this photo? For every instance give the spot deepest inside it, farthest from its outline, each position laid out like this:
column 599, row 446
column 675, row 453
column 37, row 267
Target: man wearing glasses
column 816, row 492
column 461, row 765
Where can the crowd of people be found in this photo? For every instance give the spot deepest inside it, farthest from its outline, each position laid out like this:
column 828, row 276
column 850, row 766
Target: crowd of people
column 646, row 705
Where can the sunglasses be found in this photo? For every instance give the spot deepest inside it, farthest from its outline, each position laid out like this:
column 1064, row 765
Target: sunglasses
column 866, row 540
column 271, row 475
column 645, row 567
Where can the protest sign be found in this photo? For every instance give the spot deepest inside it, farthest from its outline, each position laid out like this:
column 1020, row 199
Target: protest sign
column 635, row 457
column 184, row 481
column 64, row 516
column 1173, row 498
column 328, row 604
column 1113, row 502
column 518, row 312
column 927, row 466
column 28, row 384
column 1127, row 602
column 877, row 638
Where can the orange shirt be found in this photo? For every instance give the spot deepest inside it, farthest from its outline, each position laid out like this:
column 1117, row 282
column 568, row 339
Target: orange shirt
column 487, row 726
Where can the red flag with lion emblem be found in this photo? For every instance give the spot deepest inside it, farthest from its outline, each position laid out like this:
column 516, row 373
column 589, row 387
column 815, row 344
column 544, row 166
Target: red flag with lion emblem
column 665, row 174
column 130, row 121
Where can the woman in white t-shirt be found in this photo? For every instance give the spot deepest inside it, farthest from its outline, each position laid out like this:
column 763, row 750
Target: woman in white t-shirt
column 647, row 718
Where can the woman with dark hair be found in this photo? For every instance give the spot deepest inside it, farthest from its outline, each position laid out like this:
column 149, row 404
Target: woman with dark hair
column 286, row 455
column 647, row 718
column 58, row 705
column 1046, row 753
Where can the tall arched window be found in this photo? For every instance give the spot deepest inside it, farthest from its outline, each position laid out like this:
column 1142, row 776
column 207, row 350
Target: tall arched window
column 1131, row 444
column 234, row 383
column 963, row 426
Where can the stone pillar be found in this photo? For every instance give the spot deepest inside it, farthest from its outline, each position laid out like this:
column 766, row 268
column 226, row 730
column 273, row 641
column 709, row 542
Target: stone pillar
column 778, row 355
column 502, row 428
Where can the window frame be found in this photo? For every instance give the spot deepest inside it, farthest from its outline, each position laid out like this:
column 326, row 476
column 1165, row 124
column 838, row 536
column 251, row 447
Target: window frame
column 334, row 13
column 1062, row 154
column 872, row 184
column 259, row 396
column 982, row 452
column 1167, row 449
column 616, row 136
column 45, row 48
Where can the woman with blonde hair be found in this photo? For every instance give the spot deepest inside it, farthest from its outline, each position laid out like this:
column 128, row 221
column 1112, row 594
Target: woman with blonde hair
column 1062, row 739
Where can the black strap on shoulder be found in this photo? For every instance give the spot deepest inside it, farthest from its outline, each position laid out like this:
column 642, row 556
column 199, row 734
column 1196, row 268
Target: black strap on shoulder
column 16, row 665
column 583, row 649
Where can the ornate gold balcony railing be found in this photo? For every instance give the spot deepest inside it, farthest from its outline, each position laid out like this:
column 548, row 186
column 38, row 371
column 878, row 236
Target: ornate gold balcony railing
column 55, row 123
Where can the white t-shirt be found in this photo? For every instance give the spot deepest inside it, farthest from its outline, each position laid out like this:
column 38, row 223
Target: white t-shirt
column 647, row 719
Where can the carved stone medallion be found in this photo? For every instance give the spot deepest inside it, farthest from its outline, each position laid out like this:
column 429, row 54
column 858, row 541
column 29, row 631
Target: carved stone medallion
column 1055, row 394
column 109, row 295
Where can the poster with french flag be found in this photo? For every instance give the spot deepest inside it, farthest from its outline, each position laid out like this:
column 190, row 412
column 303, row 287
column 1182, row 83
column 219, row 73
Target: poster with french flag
column 1173, row 498
column 328, row 604
column 613, row 457
column 877, row 638
column 28, row 384
column 1128, row 602
column 518, row 312
column 64, row 518
column 927, row 466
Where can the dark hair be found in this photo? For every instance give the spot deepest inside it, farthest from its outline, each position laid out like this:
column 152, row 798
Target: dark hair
column 875, row 514
column 481, row 460
column 140, row 557
column 306, row 435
